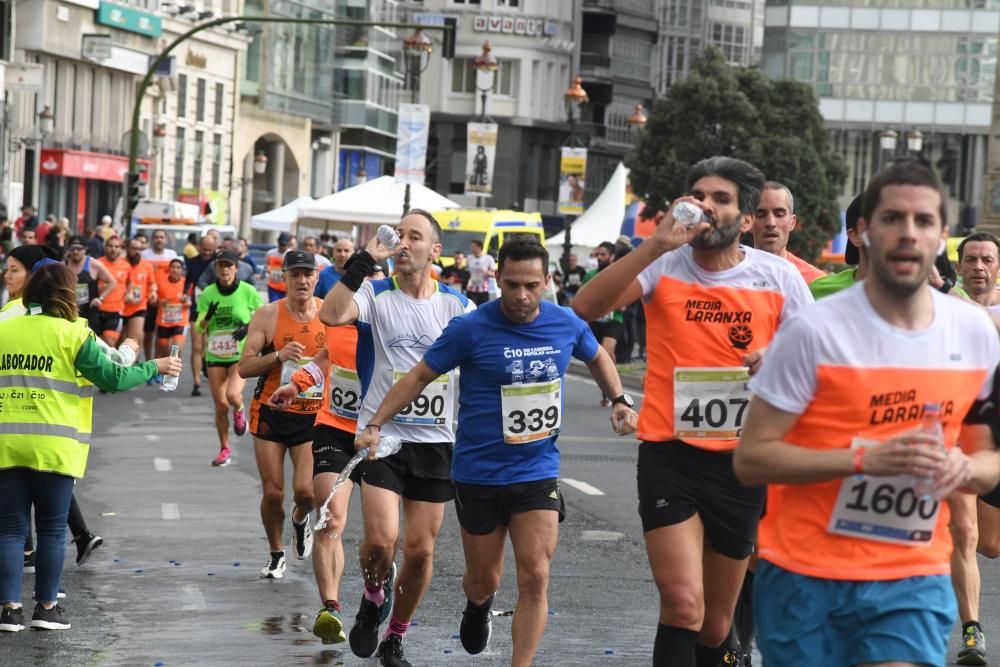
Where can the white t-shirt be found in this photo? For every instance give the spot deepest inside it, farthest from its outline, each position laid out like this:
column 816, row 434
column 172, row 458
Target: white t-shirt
column 165, row 256
column 479, row 272
column 321, row 261
column 402, row 329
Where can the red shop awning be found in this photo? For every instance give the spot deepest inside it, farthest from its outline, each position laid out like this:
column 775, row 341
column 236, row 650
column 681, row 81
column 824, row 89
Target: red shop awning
column 87, row 166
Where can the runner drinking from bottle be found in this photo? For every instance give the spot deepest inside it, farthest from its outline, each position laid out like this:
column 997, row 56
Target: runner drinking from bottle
column 224, row 312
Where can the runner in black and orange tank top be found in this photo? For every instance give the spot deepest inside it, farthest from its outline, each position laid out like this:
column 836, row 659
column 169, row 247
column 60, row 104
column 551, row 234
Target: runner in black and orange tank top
column 283, row 337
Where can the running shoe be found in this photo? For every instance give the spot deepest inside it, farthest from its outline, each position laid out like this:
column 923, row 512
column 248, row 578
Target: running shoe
column 275, row 568
column 973, row 647
column 49, row 619
column 240, row 422
column 29, row 563
column 387, row 588
column 329, row 627
column 196, row 390
column 390, row 652
column 303, row 541
column 85, row 545
column 364, row 634
column 477, row 627
column 223, row 459
column 11, row 620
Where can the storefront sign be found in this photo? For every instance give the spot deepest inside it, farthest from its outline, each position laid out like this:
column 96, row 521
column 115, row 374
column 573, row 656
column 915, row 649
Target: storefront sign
column 514, row 25
column 196, row 60
column 411, row 142
column 95, row 47
column 87, row 166
column 132, row 20
column 24, row 77
column 480, row 158
column 572, row 172
column 127, row 60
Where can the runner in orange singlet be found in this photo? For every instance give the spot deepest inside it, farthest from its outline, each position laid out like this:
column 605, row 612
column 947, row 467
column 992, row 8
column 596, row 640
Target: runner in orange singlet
column 173, row 311
column 112, row 305
column 284, row 336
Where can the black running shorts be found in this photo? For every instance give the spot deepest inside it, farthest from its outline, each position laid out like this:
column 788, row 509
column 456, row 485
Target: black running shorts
column 285, row 428
column 169, row 332
column 677, row 480
column 332, row 449
column 108, row 321
column 606, row 329
column 482, row 508
column 150, row 324
column 138, row 313
column 418, row 471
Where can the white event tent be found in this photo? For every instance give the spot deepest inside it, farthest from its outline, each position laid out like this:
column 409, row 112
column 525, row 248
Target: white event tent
column 377, row 202
column 280, row 219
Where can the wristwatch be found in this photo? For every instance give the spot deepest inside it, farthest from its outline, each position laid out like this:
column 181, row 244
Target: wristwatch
column 625, row 400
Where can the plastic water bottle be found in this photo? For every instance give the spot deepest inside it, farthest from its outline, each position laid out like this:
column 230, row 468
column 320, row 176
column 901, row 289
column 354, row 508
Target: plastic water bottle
column 931, row 425
column 170, row 381
column 387, row 235
column 687, row 214
column 387, row 446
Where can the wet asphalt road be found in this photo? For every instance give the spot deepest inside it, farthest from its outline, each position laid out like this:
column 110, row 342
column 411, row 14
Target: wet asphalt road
column 176, row 582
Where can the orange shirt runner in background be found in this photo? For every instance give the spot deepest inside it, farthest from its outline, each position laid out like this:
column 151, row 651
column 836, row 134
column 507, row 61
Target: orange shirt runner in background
column 120, row 270
column 172, row 311
column 141, row 280
column 808, row 271
column 275, row 274
column 342, row 393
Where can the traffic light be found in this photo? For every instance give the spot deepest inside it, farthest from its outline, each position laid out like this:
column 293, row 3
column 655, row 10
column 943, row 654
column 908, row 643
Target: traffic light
column 448, row 40
column 135, row 190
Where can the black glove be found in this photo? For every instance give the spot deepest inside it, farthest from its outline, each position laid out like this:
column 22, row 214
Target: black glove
column 214, row 306
column 241, row 333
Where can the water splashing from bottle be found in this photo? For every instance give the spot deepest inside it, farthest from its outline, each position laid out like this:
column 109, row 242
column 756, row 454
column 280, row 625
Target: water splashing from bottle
column 387, row 446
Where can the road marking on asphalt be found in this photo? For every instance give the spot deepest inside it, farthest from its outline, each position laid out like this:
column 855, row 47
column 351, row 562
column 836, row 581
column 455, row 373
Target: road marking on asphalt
column 170, row 511
column 601, row 535
column 152, row 437
column 609, row 438
column 138, row 401
column 582, row 486
column 192, row 598
column 162, row 465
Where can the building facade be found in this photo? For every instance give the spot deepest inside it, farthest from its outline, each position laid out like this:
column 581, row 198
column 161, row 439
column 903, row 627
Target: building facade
column 735, row 27
column 534, row 42
column 914, row 78
column 618, row 45
column 286, row 135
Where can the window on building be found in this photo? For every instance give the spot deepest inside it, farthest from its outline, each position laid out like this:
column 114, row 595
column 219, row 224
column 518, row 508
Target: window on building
column 463, row 77
column 509, row 3
column 179, row 149
column 220, row 92
column 465, row 2
column 200, row 101
column 182, row 91
column 199, row 152
column 216, row 161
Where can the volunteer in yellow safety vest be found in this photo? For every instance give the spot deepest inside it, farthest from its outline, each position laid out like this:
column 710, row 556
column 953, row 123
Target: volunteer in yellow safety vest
column 49, row 365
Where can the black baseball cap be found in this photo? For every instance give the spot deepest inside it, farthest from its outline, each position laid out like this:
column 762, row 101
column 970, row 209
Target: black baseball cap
column 851, row 254
column 76, row 241
column 298, row 259
column 230, row 256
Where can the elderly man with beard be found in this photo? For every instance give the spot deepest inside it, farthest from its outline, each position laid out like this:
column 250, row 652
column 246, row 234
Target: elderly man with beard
column 712, row 307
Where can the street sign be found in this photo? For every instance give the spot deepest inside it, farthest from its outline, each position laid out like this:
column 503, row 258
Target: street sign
column 25, row 77
column 95, row 47
column 411, row 142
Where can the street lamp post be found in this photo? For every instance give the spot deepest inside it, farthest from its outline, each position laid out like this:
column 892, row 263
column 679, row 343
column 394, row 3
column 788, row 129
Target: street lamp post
column 417, row 48
column 887, row 146
column 486, row 67
column 575, row 97
column 133, row 150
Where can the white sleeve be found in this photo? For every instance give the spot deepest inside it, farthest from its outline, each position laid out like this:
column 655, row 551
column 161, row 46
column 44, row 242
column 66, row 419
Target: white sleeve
column 787, row 378
column 365, row 298
column 991, row 360
column 796, row 294
column 650, row 276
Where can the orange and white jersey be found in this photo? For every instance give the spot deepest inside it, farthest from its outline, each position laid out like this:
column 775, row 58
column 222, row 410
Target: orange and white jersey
column 854, row 379
column 700, row 324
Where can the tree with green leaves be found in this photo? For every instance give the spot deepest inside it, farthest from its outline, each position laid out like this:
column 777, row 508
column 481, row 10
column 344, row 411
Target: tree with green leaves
column 740, row 112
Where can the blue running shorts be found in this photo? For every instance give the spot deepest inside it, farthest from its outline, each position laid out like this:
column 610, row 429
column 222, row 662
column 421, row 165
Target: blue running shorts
column 829, row 623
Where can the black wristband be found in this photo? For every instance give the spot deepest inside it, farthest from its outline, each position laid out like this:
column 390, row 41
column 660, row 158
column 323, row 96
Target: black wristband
column 359, row 266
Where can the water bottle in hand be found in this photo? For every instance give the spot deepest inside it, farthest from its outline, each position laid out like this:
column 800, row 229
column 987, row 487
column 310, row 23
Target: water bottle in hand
column 170, row 381
column 387, row 236
column 387, row 446
column 687, row 214
column 931, row 425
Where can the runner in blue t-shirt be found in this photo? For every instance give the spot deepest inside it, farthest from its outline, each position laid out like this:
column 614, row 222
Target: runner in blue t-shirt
column 513, row 353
